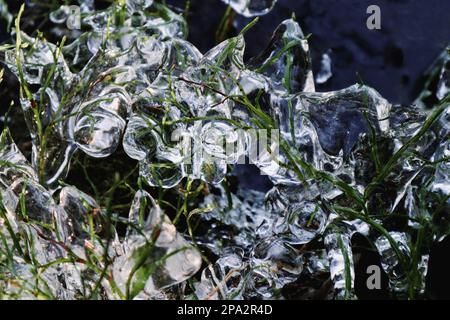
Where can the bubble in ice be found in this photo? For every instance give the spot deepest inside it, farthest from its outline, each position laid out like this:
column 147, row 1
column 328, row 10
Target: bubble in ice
column 225, row 279
column 60, row 15
column 305, row 221
column 144, row 59
column 98, row 130
column 39, row 204
column 161, row 172
column 182, row 54
column 274, row 263
column 291, row 70
column 140, row 141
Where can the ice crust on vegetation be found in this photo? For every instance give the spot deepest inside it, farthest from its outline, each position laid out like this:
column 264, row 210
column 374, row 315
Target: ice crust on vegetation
column 135, row 87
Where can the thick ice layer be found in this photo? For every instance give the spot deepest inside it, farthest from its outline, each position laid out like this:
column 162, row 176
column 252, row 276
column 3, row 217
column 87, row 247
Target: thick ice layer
column 13, row 164
column 135, row 79
column 157, row 258
column 286, row 61
column 341, row 264
column 391, row 262
column 274, row 264
column 224, row 279
column 338, row 117
column 98, row 132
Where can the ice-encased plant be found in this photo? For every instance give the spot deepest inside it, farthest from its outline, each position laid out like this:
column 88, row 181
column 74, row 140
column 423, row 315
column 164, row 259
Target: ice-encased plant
column 348, row 162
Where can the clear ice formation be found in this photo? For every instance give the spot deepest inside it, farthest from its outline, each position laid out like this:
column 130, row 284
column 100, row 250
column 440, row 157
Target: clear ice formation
column 152, row 256
column 145, row 87
column 14, row 165
column 274, row 264
column 224, row 279
column 437, row 86
column 251, row 8
column 341, row 263
column 325, row 72
column 443, row 88
column 286, row 54
column 157, row 259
